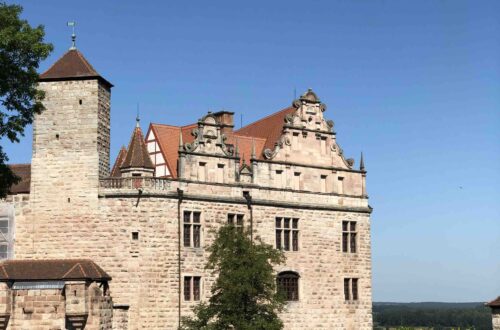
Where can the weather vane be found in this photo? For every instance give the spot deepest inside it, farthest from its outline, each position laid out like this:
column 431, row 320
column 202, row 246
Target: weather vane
column 73, row 36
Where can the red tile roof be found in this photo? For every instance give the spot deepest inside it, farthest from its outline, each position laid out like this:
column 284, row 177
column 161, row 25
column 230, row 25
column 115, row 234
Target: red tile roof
column 494, row 303
column 55, row 269
column 24, row 172
column 115, row 172
column 72, row 65
column 263, row 133
column 137, row 152
column 268, row 128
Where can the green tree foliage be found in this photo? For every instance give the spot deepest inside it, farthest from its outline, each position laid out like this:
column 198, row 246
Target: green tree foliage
column 433, row 315
column 21, row 51
column 244, row 294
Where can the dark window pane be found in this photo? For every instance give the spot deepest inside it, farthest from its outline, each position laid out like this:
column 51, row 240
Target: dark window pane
column 295, row 240
column 187, row 235
column 187, row 216
column 196, row 235
column 353, row 243
column 196, row 288
column 288, row 285
column 345, row 239
column 278, row 239
column 278, row 222
column 187, row 288
column 286, row 240
column 295, row 223
column 196, row 217
column 239, row 220
column 353, row 226
column 345, row 225
column 346, row 289
column 355, row 289
column 287, row 223
column 230, row 219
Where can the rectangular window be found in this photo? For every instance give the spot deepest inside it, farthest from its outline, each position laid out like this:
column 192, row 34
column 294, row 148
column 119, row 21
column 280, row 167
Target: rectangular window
column 235, row 220
column 202, row 171
column 340, row 187
column 347, row 296
column 349, row 236
column 187, row 288
column 323, row 183
column 354, row 285
column 296, row 181
column 220, row 172
column 323, row 145
column 192, row 288
column 287, row 234
column 192, row 229
column 350, row 289
column 196, row 288
column 278, row 179
column 5, row 238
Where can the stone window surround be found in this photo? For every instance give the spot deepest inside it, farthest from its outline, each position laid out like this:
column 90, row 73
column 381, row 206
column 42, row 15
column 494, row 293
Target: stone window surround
column 352, row 291
column 201, row 225
column 192, row 276
column 292, row 231
column 349, row 237
column 236, row 216
column 299, row 286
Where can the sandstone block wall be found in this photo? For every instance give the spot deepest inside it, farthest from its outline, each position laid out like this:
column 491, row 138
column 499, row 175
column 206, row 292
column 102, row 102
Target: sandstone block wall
column 54, row 309
column 495, row 318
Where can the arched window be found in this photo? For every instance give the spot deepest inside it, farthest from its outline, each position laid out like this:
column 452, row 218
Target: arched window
column 288, row 285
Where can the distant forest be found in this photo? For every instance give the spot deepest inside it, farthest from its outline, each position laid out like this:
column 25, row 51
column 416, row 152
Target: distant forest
column 437, row 316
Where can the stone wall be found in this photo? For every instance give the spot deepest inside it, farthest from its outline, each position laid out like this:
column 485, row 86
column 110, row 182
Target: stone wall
column 54, row 308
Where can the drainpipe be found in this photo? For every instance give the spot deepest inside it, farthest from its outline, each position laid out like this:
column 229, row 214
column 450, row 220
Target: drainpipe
column 248, row 197
column 180, row 195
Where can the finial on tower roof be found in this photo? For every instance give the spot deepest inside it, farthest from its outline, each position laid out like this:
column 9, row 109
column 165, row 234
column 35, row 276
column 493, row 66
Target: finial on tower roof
column 137, row 118
column 361, row 163
column 73, row 35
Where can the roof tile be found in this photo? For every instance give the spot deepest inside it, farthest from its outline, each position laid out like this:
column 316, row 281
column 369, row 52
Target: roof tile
column 51, row 269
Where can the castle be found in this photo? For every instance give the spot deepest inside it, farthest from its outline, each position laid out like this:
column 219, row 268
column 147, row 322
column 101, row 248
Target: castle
column 148, row 220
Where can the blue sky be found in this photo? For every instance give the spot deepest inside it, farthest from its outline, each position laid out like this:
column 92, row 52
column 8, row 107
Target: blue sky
column 412, row 84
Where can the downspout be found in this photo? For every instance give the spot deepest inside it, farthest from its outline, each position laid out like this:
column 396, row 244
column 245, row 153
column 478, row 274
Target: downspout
column 248, row 197
column 180, row 194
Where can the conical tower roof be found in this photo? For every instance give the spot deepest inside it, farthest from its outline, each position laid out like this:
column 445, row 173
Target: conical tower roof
column 72, row 66
column 115, row 172
column 137, row 152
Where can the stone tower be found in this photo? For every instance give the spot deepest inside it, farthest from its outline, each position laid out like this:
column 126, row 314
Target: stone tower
column 71, row 138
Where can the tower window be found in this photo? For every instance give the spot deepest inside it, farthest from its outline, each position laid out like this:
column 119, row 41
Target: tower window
column 349, row 236
column 57, row 136
column 80, row 102
column 350, row 289
column 340, row 185
column 135, row 235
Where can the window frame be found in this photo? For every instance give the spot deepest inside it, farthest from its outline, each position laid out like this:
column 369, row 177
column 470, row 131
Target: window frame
column 234, row 220
column 349, row 236
column 191, row 229
column 287, row 234
column 190, row 292
column 289, row 283
column 351, row 289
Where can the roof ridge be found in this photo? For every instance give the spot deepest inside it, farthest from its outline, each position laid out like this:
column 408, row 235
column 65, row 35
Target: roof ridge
column 85, row 62
column 266, row 117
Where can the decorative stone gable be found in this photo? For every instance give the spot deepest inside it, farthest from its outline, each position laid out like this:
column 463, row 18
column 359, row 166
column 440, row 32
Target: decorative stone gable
column 209, row 138
column 308, row 137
